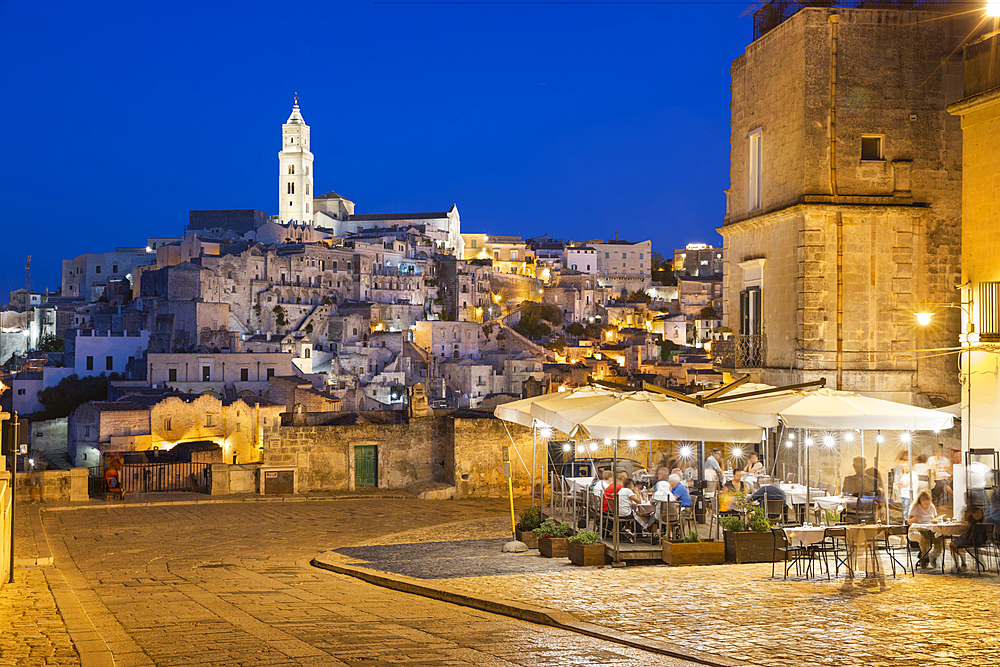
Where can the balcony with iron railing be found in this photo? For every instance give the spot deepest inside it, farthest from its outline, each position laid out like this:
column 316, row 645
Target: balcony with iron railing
column 740, row 351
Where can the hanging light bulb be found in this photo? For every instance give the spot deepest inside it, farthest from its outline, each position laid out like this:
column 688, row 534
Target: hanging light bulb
column 905, row 437
column 879, row 438
column 809, row 442
column 849, row 436
column 736, row 452
column 685, row 452
column 593, row 446
column 828, row 441
column 567, row 447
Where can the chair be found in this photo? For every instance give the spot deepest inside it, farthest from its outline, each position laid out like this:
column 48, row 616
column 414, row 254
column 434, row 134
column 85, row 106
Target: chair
column 892, row 549
column 785, row 549
column 775, row 509
column 982, row 535
column 790, row 478
column 834, row 543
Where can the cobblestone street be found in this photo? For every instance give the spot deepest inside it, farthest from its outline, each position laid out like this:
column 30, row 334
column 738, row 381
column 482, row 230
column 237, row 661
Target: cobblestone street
column 230, row 584
column 740, row 613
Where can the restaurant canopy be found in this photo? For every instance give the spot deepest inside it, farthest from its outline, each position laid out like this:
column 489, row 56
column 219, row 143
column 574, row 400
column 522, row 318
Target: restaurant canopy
column 637, row 415
column 832, row 409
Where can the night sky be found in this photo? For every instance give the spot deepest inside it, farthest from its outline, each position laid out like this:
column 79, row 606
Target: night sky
column 574, row 119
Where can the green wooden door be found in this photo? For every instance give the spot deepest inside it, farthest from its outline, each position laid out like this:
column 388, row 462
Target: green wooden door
column 366, row 465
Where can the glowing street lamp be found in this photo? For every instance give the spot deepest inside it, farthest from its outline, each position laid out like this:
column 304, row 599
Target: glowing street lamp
column 993, row 8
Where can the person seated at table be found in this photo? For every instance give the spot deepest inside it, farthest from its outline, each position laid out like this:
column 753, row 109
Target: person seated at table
column 901, row 483
column 922, row 511
column 611, row 491
column 601, row 482
column 972, row 516
column 993, row 510
column 737, row 483
column 769, row 492
column 754, row 465
column 680, row 491
column 862, row 482
column 661, row 486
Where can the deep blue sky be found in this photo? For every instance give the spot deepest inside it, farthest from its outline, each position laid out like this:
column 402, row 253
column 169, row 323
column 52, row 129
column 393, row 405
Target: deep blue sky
column 576, row 120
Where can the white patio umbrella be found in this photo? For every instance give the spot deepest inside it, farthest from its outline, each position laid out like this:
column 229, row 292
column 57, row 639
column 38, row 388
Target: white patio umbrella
column 833, row 410
column 643, row 415
column 519, row 412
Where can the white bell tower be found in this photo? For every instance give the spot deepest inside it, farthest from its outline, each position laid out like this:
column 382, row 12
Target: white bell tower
column 295, row 180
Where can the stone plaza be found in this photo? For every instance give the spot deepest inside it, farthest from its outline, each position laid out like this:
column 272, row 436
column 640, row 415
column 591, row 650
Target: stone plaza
column 234, row 583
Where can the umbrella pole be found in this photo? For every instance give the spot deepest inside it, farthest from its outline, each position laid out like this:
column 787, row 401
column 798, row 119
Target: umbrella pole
column 878, row 446
column 614, row 503
column 808, row 485
column 534, row 444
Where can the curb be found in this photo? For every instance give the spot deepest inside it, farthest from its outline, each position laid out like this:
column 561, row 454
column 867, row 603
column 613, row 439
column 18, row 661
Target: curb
column 335, row 562
column 252, row 499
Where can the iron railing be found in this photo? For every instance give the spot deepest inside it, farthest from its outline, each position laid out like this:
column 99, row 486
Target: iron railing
column 740, row 351
column 152, row 477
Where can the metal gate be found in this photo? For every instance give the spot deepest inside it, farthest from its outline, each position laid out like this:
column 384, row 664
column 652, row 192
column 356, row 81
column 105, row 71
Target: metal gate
column 365, row 465
column 153, row 477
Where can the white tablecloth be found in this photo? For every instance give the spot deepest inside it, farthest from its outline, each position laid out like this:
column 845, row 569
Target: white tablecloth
column 806, row 534
column 577, row 483
column 795, row 494
column 834, row 502
column 950, row 528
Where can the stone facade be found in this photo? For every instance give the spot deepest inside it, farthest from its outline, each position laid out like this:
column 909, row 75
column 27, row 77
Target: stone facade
column 463, row 452
column 838, row 231
column 979, row 111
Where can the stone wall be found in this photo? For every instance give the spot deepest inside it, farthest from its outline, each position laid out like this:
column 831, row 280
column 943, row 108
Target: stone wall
column 461, row 452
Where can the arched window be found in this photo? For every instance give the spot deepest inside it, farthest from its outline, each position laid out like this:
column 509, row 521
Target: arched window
column 291, row 188
column 291, row 169
column 307, row 188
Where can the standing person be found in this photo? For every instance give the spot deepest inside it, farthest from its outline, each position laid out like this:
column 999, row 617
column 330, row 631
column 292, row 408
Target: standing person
column 923, row 511
column 713, row 463
column 36, row 479
column 901, row 483
column 941, row 465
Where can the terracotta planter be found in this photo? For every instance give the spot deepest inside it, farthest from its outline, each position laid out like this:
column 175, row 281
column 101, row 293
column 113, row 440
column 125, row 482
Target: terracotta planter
column 553, row 547
column 709, row 552
column 587, row 554
column 747, row 547
column 528, row 538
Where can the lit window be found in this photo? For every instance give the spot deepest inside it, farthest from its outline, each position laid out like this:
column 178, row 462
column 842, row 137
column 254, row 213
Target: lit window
column 754, row 192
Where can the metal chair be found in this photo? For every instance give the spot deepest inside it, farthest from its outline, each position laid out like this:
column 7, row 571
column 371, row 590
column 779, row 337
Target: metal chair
column 782, row 546
column 893, row 549
column 982, row 535
column 834, row 543
column 775, row 509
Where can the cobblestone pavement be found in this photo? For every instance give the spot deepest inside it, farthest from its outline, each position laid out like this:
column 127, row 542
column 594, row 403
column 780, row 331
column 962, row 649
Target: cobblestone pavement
column 32, row 631
column 741, row 613
column 230, row 584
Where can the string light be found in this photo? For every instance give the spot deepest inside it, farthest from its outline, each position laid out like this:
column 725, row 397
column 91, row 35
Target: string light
column 809, row 442
column 685, row 452
column 593, row 447
column 607, row 442
column 849, row 436
column 567, row 447
column 737, row 452
column 879, row 438
column 828, row 441
column 904, row 437
column 632, row 444
column 545, row 432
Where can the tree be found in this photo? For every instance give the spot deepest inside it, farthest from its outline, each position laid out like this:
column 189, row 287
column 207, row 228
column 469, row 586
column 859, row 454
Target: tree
column 50, row 343
column 708, row 313
column 576, row 329
column 62, row 399
column 666, row 347
column 640, row 295
column 557, row 345
column 279, row 316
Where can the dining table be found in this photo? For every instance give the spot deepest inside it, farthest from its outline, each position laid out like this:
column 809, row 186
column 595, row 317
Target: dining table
column 862, row 543
column 942, row 530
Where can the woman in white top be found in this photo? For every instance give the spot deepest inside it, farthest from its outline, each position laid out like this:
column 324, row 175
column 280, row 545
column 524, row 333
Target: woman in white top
column 923, row 511
column 754, row 465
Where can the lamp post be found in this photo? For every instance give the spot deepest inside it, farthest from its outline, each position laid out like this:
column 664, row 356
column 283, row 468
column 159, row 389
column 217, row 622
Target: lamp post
column 924, row 317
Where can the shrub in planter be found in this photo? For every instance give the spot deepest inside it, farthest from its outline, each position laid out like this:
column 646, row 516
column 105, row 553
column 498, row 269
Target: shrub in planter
column 702, row 552
column 552, row 537
column 528, row 520
column 748, row 537
column 586, row 548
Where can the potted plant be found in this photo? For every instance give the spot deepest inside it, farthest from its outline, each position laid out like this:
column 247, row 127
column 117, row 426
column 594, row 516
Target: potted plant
column 586, row 548
column 529, row 519
column 552, row 538
column 693, row 550
column 747, row 534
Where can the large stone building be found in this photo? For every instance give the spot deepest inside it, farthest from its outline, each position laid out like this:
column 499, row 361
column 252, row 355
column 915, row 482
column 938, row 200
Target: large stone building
column 843, row 213
column 980, row 115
